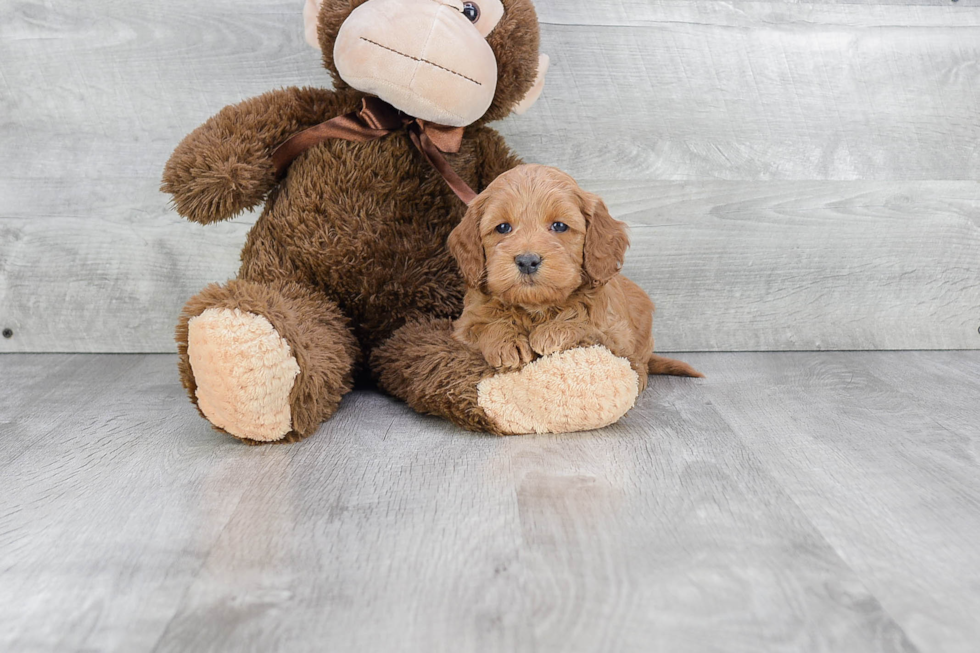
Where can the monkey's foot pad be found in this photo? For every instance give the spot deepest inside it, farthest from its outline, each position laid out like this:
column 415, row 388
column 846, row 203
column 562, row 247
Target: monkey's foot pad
column 575, row 390
column 244, row 372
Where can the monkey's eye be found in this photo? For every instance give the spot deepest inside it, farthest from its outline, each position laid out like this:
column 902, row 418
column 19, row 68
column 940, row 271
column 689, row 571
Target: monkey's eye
column 504, row 228
column 559, row 227
column 472, row 11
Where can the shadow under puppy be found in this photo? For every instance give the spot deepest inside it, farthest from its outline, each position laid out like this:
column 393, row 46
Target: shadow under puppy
column 541, row 259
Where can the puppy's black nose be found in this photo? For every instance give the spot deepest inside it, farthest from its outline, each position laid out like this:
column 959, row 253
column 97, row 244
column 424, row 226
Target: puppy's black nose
column 528, row 263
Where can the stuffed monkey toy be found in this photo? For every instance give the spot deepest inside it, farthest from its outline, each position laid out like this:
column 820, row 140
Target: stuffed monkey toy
column 346, row 273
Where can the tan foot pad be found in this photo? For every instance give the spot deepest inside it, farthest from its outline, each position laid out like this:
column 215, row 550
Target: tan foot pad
column 244, row 372
column 576, row 390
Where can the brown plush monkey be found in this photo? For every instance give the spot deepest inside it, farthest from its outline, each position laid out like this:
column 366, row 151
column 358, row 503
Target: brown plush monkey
column 346, row 271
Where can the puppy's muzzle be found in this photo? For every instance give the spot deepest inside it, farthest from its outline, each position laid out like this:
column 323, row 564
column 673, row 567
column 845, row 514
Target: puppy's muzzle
column 528, row 263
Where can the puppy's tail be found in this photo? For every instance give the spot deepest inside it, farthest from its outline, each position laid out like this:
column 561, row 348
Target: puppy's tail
column 671, row 367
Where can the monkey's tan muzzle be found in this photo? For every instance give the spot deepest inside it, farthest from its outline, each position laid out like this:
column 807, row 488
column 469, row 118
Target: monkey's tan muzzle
column 422, row 56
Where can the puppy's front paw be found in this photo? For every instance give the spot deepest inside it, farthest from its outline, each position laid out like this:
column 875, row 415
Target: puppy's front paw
column 509, row 354
column 547, row 341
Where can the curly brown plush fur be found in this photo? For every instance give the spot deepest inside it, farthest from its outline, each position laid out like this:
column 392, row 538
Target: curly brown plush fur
column 317, row 332
column 225, row 166
column 351, row 244
column 426, row 367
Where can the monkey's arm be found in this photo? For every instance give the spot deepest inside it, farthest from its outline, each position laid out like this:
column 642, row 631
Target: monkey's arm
column 225, row 166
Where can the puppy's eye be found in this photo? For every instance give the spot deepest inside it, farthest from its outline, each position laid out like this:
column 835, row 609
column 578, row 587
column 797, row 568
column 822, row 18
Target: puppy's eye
column 472, row 11
column 559, row 227
column 504, row 228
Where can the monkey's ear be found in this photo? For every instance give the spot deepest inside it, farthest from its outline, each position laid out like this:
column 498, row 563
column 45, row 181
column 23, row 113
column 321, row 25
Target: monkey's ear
column 532, row 96
column 466, row 244
column 311, row 13
column 606, row 240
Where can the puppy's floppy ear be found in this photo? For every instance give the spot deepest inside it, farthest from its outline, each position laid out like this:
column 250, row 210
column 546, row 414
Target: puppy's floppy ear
column 466, row 244
column 606, row 240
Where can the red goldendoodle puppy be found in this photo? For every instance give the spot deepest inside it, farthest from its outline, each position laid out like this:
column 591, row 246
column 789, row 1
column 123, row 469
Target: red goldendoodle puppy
column 541, row 258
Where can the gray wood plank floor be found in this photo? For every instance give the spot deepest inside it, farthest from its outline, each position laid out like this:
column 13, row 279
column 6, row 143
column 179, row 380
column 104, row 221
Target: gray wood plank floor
column 789, row 502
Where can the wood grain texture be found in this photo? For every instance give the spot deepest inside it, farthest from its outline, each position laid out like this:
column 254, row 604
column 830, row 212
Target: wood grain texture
column 806, row 265
column 731, row 265
column 105, row 574
column 846, row 134
column 756, row 91
column 789, row 502
column 659, row 533
column 882, row 452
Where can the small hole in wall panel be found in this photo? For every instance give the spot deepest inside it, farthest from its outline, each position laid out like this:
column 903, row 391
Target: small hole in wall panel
column 8, row 333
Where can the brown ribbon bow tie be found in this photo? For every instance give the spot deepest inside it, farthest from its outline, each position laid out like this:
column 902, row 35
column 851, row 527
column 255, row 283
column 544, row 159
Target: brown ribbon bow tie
column 375, row 120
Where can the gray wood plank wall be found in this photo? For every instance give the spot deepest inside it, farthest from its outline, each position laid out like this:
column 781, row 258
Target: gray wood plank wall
column 797, row 175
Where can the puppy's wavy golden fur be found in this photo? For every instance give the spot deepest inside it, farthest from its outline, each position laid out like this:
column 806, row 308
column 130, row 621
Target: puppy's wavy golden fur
column 572, row 296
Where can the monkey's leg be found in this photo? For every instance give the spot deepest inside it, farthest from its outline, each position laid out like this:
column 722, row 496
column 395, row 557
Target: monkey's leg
column 576, row 390
column 265, row 362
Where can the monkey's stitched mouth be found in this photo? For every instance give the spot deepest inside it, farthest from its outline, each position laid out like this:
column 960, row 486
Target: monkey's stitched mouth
column 431, row 63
